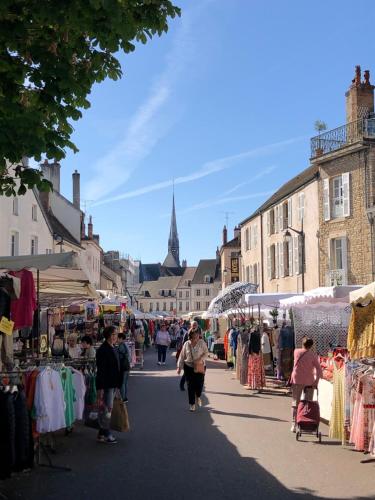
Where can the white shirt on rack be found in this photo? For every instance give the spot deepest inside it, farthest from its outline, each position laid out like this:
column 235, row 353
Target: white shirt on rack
column 49, row 402
column 80, row 391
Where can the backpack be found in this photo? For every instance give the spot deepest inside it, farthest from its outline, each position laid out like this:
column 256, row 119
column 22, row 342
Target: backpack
column 123, row 356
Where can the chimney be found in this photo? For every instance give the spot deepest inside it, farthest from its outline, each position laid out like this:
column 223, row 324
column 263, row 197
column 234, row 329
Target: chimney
column 76, row 189
column 83, row 228
column 45, row 200
column 51, row 171
column 237, row 232
column 90, row 229
column 225, row 235
column 359, row 97
column 184, row 263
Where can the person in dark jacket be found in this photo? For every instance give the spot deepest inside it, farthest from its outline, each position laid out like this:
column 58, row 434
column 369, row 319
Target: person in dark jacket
column 108, row 379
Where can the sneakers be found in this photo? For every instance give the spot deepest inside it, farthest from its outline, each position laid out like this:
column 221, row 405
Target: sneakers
column 159, row 363
column 199, row 402
column 192, row 408
column 163, row 363
column 125, row 401
column 293, row 428
column 106, row 439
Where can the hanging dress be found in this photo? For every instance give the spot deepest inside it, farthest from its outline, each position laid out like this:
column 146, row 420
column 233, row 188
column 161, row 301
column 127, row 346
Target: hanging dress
column 256, row 378
column 336, row 424
column 244, row 355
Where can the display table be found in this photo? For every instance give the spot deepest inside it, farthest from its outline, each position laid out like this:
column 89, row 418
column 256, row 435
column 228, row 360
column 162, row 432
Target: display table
column 325, row 399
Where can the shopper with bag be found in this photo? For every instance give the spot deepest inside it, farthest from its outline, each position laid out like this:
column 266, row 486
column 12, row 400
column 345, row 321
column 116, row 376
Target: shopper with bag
column 191, row 360
column 305, row 376
column 125, row 358
column 108, row 381
column 163, row 341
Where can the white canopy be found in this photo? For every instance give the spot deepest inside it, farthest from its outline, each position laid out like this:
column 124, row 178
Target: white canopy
column 268, row 300
column 41, row 262
column 332, row 294
column 362, row 294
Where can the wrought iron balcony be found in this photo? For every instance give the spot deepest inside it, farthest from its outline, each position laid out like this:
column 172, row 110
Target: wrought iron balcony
column 337, row 277
column 343, row 136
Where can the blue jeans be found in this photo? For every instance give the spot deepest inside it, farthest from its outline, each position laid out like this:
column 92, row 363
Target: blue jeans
column 162, row 353
column 124, row 386
column 105, row 411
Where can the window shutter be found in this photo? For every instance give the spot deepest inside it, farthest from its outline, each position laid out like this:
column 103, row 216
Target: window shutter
column 326, row 200
column 250, row 237
column 251, row 274
column 255, row 236
column 269, row 263
column 290, row 257
column 276, row 212
column 277, row 266
column 281, row 218
column 345, row 253
column 296, row 255
column 290, row 214
column 281, row 260
column 346, row 193
column 268, row 223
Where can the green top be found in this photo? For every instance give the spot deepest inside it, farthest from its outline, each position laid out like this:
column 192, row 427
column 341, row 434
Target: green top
column 69, row 395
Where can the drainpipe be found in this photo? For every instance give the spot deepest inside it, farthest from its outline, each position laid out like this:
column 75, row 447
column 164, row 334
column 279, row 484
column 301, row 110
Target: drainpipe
column 261, row 250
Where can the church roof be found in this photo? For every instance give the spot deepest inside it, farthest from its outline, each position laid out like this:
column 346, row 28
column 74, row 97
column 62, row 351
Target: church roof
column 170, row 261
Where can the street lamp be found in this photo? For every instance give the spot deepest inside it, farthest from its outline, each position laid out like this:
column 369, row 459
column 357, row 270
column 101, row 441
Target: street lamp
column 301, row 234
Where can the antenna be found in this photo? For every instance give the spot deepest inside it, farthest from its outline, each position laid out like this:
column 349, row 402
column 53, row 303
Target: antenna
column 226, row 217
column 86, row 204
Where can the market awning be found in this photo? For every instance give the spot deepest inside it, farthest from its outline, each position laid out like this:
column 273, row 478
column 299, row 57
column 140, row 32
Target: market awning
column 267, row 300
column 362, row 294
column 331, row 294
column 41, row 262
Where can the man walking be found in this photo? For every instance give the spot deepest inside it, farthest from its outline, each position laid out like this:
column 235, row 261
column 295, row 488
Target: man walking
column 108, row 379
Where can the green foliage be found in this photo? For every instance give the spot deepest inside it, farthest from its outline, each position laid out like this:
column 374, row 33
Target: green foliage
column 51, row 54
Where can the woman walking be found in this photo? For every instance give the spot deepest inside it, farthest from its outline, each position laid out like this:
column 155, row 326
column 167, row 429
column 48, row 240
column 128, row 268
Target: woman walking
column 163, row 341
column 191, row 360
column 305, row 376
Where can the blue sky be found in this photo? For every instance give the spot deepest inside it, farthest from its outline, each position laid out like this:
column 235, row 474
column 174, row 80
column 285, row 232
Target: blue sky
column 225, row 104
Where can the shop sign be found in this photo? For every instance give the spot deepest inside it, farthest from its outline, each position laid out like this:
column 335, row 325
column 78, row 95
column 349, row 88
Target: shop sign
column 6, row 326
column 234, row 267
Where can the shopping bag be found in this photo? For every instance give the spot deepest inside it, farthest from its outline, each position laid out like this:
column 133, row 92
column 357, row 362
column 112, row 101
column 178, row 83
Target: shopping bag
column 119, row 416
column 91, row 416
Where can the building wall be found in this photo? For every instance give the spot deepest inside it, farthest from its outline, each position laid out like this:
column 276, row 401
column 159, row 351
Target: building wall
column 67, row 214
column 90, row 259
column 24, row 225
column 355, row 228
column 202, row 294
column 183, row 299
column 170, row 304
column 251, row 254
column 226, row 255
column 293, row 283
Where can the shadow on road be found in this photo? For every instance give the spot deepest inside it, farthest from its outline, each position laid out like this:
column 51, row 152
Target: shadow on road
column 170, row 454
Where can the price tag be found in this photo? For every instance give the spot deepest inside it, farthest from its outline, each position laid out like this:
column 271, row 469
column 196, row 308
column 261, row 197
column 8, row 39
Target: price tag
column 6, row 326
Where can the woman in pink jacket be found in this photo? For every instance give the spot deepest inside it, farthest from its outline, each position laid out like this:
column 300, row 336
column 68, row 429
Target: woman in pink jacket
column 305, row 376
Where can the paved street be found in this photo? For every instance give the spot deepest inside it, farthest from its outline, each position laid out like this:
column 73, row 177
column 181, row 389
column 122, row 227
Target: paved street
column 238, row 446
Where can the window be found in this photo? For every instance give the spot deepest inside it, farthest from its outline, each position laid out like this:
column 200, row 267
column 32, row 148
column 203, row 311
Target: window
column 207, row 278
column 255, row 274
column 198, row 306
column 247, row 245
column 34, row 245
column 207, row 305
column 255, row 236
column 15, row 206
column 248, row 274
column 171, row 306
column 48, row 251
column 14, row 243
column 207, row 292
column 187, row 294
column 271, row 262
column 151, row 307
column 157, row 306
column 271, row 222
column 301, row 207
column 288, row 263
column 336, row 196
column 187, row 305
column 180, row 294
column 164, row 306
column 338, row 262
column 180, row 306
column 250, row 237
column 34, row 212
column 197, row 293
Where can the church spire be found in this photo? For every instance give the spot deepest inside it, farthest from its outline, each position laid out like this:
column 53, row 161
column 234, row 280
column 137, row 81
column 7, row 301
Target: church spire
column 173, row 257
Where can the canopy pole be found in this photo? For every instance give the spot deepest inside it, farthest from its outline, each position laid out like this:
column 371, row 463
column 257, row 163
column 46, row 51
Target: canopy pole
column 38, row 309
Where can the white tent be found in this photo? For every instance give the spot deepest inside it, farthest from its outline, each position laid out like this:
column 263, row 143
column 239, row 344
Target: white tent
column 363, row 294
column 333, row 294
column 266, row 300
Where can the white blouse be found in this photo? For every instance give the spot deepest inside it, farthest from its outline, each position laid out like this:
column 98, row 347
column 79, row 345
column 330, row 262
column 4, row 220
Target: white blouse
column 189, row 354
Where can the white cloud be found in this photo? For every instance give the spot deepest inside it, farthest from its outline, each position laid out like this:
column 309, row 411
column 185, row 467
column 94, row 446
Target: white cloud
column 223, row 201
column 205, row 170
column 254, row 178
column 151, row 121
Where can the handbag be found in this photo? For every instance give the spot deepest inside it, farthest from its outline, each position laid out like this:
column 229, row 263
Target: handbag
column 91, row 416
column 119, row 416
column 199, row 366
column 289, row 381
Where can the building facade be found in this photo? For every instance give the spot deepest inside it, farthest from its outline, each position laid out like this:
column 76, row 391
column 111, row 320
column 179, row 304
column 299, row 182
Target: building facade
column 205, row 285
column 184, row 291
column 160, row 295
column 230, row 257
column 346, row 161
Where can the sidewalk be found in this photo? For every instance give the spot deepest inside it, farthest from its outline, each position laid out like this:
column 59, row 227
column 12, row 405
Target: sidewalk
column 238, row 446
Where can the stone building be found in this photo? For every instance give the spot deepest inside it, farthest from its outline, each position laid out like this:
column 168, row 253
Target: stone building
column 206, row 284
column 184, row 290
column 345, row 158
column 159, row 295
column 230, row 252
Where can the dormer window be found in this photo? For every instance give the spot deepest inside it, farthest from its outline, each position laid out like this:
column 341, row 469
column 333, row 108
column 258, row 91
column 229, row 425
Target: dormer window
column 207, row 278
